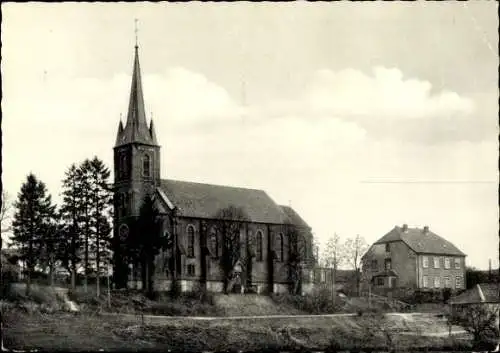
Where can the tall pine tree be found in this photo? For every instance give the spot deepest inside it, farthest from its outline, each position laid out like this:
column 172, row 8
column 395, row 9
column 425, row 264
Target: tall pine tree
column 71, row 215
column 100, row 205
column 31, row 224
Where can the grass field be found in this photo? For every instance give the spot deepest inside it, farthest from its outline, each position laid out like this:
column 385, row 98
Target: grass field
column 76, row 332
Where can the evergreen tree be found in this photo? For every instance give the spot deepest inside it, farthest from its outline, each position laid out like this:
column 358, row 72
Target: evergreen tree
column 52, row 238
column 31, row 224
column 71, row 216
column 84, row 176
column 100, row 204
column 146, row 241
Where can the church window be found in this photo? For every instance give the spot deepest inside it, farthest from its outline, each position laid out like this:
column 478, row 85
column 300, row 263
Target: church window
column 190, row 240
column 304, row 248
column 214, row 243
column 146, row 165
column 280, row 249
column 123, row 165
column 259, row 246
column 191, row 270
column 123, row 203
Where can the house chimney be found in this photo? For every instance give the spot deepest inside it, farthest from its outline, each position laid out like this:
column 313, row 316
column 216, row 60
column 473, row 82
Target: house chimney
column 405, row 227
column 426, row 229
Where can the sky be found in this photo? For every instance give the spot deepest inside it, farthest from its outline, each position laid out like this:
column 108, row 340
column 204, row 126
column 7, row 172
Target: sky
column 361, row 116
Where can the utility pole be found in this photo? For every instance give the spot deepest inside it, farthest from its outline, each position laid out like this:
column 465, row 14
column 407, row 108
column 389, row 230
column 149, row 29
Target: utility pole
column 109, row 287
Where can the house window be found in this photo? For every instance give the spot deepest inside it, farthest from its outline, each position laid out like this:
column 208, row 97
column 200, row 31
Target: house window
column 214, row 242
column 436, row 262
column 388, row 264
column 190, row 240
column 437, row 282
column 447, row 262
column 458, row 282
column 146, row 166
column 390, row 282
column 374, row 265
column 280, row 247
column 447, row 282
column 191, row 270
column 425, row 261
column 425, row 282
column 380, row 281
column 259, row 246
column 457, row 262
column 387, row 247
column 323, row 276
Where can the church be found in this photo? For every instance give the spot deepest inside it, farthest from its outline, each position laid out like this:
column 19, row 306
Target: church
column 190, row 213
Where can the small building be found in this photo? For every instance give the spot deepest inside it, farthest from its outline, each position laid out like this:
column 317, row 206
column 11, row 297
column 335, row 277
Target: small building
column 484, row 294
column 408, row 259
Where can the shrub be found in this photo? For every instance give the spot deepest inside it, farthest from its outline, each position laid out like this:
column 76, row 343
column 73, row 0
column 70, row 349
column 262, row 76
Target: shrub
column 317, row 302
column 175, row 290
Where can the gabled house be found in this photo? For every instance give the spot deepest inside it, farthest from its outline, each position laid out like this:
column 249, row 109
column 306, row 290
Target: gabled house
column 413, row 259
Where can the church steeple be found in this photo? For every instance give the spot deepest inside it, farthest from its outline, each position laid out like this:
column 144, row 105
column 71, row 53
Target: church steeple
column 136, row 128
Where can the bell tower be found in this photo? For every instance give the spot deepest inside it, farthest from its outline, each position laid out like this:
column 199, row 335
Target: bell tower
column 136, row 165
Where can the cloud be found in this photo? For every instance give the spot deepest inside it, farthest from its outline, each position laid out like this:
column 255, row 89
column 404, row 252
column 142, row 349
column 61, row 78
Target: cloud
column 388, row 105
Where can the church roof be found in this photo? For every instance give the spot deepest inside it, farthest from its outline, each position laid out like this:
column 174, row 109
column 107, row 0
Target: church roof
column 136, row 129
column 294, row 217
column 422, row 241
column 205, row 200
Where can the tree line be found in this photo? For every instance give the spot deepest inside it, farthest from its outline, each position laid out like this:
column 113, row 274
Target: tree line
column 75, row 235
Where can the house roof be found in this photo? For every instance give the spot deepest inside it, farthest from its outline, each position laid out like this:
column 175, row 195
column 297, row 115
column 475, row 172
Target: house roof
column 480, row 293
column 421, row 241
column 205, row 200
column 386, row 273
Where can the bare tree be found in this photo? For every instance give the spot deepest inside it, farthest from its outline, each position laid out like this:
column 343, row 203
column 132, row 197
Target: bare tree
column 229, row 223
column 5, row 213
column 331, row 254
column 352, row 251
column 480, row 320
column 297, row 257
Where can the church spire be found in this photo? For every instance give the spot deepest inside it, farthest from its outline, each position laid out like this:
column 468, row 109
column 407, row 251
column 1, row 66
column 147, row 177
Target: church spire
column 120, row 132
column 136, row 128
column 152, row 131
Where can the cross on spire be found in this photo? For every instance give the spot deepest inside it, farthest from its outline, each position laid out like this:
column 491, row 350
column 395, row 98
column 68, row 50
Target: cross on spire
column 136, row 30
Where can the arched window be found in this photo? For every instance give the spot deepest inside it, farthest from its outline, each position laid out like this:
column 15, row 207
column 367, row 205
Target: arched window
column 123, row 165
column 305, row 249
column 190, row 241
column 260, row 239
column 123, row 203
column 280, row 245
column 214, row 242
column 146, row 165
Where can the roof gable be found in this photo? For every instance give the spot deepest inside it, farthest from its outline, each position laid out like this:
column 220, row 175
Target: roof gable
column 480, row 293
column 204, row 200
column 421, row 241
